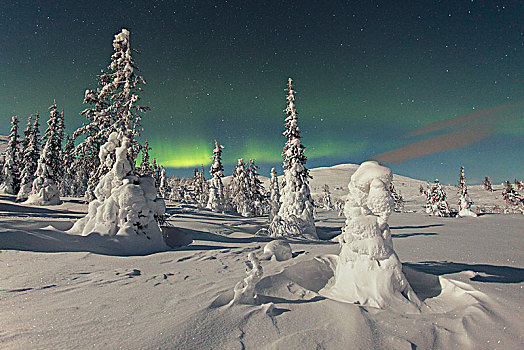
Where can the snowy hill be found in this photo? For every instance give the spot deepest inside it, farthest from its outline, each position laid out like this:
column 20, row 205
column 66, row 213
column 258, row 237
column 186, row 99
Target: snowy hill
column 337, row 178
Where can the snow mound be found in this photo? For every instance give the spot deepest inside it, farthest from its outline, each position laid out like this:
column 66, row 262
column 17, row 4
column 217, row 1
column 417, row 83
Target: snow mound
column 125, row 204
column 280, row 249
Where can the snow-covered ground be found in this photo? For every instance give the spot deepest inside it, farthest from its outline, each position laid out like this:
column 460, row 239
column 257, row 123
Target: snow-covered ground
column 64, row 291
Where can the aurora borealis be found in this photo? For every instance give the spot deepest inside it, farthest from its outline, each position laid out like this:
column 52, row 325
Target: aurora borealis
column 371, row 77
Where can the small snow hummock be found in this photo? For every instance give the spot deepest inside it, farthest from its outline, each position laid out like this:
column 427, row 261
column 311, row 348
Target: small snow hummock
column 245, row 290
column 126, row 205
column 369, row 271
column 280, row 249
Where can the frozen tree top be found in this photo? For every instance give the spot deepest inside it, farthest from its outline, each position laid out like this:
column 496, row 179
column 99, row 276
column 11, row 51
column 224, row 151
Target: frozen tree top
column 370, row 170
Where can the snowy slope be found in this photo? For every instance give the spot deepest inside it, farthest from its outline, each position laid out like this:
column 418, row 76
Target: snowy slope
column 63, row 291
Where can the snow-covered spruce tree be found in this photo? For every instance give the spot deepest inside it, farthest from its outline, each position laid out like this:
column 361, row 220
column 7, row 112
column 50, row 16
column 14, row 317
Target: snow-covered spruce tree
column 397, row 197
column 369, row 271
column 115, row 107
column 145, row 167
column 22, row 149
column 256, row 189
column 10, row 170
column 126, row 204
column 45, row 190
column 239, row 190
column 164, row 186
column 67, row 183
column 326, row 198
column 31, row 154
column 464, row 202
column 487, row 184
column 27, row 132
column 295, row 216
column 518, row 184
column 514, row 201
column 216, row 187
column 155, row 172
column 59, row 140
column 436, row 203
column 203, row 197
column 274, row 195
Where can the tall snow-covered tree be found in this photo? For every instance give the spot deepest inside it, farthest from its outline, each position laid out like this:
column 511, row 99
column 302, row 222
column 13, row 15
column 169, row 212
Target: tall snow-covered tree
column 216, row 187
column 204, row 190
column 27, row 133
column 155, row 172
column 145, row 166
column 239, row 190
column 53, row 136
column 31, row 154
column 436, row 204
column 10, row 170
column 256, row 189
column 45, row 190
column 114, row 107
column 487, row 184
column 295, row 216
column 464, row 202
column 274, row 195
column 67, row 183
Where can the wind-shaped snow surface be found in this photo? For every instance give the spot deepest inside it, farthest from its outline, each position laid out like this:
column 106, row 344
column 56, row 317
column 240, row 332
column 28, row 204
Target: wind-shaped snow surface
column 245, row 290
column 126, row 204
column 368, row 270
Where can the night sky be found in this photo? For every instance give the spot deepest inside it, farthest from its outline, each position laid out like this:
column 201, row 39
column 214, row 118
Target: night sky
column 423, row 86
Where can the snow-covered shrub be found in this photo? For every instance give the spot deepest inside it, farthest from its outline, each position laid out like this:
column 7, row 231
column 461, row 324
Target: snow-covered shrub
column 514, row 201
column 326, row 198
column 295, row 216
column 397, row 198
column 280, row 249
column 245, row 290
column 487, row 184
column 436, row 203
column 368, row 270
column 464, row 202
column 126, row 204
